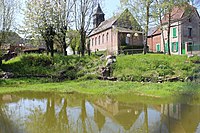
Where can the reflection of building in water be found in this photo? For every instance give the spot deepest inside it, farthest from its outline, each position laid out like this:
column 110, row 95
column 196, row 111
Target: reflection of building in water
column 99, row 118
column 125, row 114
column 181, row 117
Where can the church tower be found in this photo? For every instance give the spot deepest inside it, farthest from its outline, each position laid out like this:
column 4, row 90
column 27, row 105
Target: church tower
column 98, row 16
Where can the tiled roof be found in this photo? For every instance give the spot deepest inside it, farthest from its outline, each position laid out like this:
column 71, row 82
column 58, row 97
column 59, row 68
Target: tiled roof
column 179, row 13
column 176, row 14
column 152, row 30
column 104, row 25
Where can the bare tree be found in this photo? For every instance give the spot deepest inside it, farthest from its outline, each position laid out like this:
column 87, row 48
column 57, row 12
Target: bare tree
column 83, row 12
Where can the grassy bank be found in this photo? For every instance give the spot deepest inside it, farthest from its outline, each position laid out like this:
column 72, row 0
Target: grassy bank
column 153, row 66
column 98, row 87
column 127, row 69
column 150, row 67
column 57, row 68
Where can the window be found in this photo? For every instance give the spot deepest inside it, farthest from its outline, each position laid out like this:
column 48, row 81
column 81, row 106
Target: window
column 189, row 32
column 107, row 37
column 99, row 40
column 166, row 47
column 128, row 38
column 92, row 41
column 95, row 40
column 174, row 33
column 103, row 39
column 157, row 47
column 175, row 47
column 190, row 46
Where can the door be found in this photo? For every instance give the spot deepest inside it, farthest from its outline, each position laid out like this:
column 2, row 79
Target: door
column 183, row 48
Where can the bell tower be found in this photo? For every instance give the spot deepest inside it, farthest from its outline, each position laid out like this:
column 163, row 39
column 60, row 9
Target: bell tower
column 98, row 16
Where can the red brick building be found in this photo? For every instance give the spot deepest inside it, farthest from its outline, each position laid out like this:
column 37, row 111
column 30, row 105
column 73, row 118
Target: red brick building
column 113, row 34
column 154, row 38
column 184, row 33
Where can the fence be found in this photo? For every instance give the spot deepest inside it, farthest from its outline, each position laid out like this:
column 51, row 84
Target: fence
column 130, row 51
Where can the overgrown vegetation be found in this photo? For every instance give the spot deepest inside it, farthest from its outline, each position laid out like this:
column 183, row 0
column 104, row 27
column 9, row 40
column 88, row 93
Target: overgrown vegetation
column 151, row 67
column 58, row 67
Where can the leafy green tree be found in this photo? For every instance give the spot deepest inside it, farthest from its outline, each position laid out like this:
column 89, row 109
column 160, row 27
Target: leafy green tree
column 74, row 39
column 42, row 18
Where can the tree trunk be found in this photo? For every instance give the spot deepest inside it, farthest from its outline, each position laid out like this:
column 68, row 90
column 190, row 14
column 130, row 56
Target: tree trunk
column 88, row 48
column 51, row 48
column 161, row 26
column 168, row 32
column 64, row 47
column 0, row 60
column 146, row 27
column 1, row 54
column 74, row 52
column 82, row 47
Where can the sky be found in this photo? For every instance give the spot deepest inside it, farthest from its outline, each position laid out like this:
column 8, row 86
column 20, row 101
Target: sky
column 110, row 7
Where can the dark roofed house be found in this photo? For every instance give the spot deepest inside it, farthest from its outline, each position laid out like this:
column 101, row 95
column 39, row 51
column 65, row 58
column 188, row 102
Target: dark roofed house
column 113, row 34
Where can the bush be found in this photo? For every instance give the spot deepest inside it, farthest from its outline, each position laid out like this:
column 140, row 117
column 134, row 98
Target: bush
column 37, row 60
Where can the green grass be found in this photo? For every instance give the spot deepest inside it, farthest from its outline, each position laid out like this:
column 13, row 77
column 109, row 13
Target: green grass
column 139, row 67
column 71, row 67
column 127, row 68
column 102, row 87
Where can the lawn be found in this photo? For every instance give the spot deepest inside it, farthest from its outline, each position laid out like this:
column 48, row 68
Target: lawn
column 98, row 87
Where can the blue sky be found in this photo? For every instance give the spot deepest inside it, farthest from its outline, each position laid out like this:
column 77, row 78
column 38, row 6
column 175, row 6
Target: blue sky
column 110, row 7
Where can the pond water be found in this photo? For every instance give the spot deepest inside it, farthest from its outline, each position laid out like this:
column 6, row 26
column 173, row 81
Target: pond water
column 52, row 113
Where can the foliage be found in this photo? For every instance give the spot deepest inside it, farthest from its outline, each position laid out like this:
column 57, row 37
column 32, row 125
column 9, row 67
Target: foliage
column 74, row 38
column 58, row 67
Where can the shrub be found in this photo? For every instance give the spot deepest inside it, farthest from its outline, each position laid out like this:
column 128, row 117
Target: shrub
column 36, row 60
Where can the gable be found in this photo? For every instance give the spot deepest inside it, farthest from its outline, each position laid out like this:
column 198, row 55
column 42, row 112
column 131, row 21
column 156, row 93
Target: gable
column 126, row 20
column 179, row 13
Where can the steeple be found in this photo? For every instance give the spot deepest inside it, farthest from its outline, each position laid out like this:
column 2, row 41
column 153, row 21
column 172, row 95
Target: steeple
column 98, row 16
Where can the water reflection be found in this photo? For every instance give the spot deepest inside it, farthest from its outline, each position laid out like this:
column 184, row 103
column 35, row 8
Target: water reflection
column 50, row 113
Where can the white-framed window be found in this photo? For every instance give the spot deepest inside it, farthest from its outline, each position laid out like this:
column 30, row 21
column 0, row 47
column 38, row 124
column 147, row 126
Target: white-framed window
column 174, row 46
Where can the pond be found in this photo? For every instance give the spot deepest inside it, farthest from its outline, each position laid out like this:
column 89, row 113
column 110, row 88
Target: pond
column 72, row 113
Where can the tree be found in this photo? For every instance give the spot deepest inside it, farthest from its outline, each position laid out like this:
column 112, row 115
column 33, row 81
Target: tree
column 165, row 8
column 64, row 19
column 83, row 12
column 8, row 9
column 40, row 19
column 142, row 16
column 74, row 38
